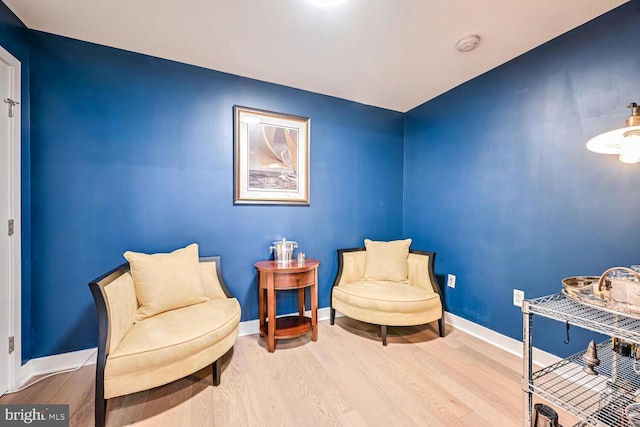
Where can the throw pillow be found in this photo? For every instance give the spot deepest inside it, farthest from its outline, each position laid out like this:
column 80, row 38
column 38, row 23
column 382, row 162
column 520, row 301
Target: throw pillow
column 387, row 260
column 166, row 281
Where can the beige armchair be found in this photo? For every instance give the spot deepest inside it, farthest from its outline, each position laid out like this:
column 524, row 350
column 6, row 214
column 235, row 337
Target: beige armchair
column 141, row 346
column 397, row 299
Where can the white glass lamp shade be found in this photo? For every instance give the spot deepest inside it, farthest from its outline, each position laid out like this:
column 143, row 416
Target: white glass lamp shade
column 630, row 152
column 624, row 142
column 612, row 142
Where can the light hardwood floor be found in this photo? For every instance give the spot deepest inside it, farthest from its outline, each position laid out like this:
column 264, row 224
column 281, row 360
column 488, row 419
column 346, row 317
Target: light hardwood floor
column 346, row 378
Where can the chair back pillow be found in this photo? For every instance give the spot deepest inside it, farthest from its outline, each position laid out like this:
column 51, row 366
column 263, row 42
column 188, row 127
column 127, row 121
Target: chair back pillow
column 387, row 261
column 209, row 280
column 166, row 281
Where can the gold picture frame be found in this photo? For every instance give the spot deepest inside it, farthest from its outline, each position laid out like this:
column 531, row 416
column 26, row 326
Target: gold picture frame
column 271, row 157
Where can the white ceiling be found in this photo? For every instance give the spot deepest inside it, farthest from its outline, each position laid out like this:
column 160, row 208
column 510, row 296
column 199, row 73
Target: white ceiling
column 394, row 54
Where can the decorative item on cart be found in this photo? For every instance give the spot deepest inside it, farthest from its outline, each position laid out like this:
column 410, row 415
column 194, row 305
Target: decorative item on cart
column 627, row 349
column 581, row 287
column 623, row 348
column 591, row 359
column 545, row 416
column 282, row 250
column 633, row 414
column 617, row 289
column 623, row 284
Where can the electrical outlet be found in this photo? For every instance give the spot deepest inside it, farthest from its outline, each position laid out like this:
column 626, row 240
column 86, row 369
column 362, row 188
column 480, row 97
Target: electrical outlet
column 518, row 297
column 451, row 280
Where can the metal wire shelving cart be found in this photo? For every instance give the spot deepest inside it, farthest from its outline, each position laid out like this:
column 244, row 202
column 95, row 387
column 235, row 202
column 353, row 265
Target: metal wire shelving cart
column 596, row 400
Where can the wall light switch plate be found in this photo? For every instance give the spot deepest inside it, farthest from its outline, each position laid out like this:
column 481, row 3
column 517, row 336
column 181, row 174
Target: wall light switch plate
column 451, row 280
column 518, row 297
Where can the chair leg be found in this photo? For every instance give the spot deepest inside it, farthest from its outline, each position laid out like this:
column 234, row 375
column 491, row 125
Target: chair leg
column 383, row 331
column 215, row 368
column 100, row 408
column 441, row 326
column 332, row 315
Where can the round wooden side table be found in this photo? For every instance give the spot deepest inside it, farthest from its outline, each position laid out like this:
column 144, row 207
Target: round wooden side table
column 272, row 277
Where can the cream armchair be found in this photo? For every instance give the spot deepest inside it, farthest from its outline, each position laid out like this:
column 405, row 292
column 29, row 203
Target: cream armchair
column 414, row 300
column 139, row 350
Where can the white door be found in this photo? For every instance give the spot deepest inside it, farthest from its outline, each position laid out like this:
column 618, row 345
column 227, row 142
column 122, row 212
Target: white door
column 9, row 211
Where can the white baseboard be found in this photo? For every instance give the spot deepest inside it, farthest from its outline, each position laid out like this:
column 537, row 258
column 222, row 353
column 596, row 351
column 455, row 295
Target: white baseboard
column 508, row 344
column 76, row 359
column 56, row 363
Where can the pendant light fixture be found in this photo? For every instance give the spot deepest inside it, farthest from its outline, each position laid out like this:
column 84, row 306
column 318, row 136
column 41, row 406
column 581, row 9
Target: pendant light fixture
column 624, row 142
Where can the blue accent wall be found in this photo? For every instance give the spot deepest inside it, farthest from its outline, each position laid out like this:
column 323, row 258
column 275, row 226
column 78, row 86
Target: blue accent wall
column 123, row 151
column 131, row 152
column 14, row 38
column 499, row 183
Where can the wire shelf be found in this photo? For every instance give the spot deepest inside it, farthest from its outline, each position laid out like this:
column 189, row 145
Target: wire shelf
column 597, row 319
column 598, row 400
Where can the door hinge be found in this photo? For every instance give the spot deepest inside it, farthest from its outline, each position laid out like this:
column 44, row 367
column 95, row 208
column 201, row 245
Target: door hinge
column 10, row 227
column 11, row 345
column 12, row 103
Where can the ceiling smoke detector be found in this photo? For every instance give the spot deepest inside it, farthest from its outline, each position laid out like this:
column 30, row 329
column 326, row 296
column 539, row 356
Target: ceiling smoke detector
column 325, row 3
column 468, row 43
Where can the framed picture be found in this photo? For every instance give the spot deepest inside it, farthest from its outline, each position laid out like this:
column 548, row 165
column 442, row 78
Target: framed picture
column 271, row 157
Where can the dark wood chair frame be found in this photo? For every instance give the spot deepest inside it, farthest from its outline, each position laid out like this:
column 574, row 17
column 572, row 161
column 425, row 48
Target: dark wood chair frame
column 96, row 286
column 383, row 328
